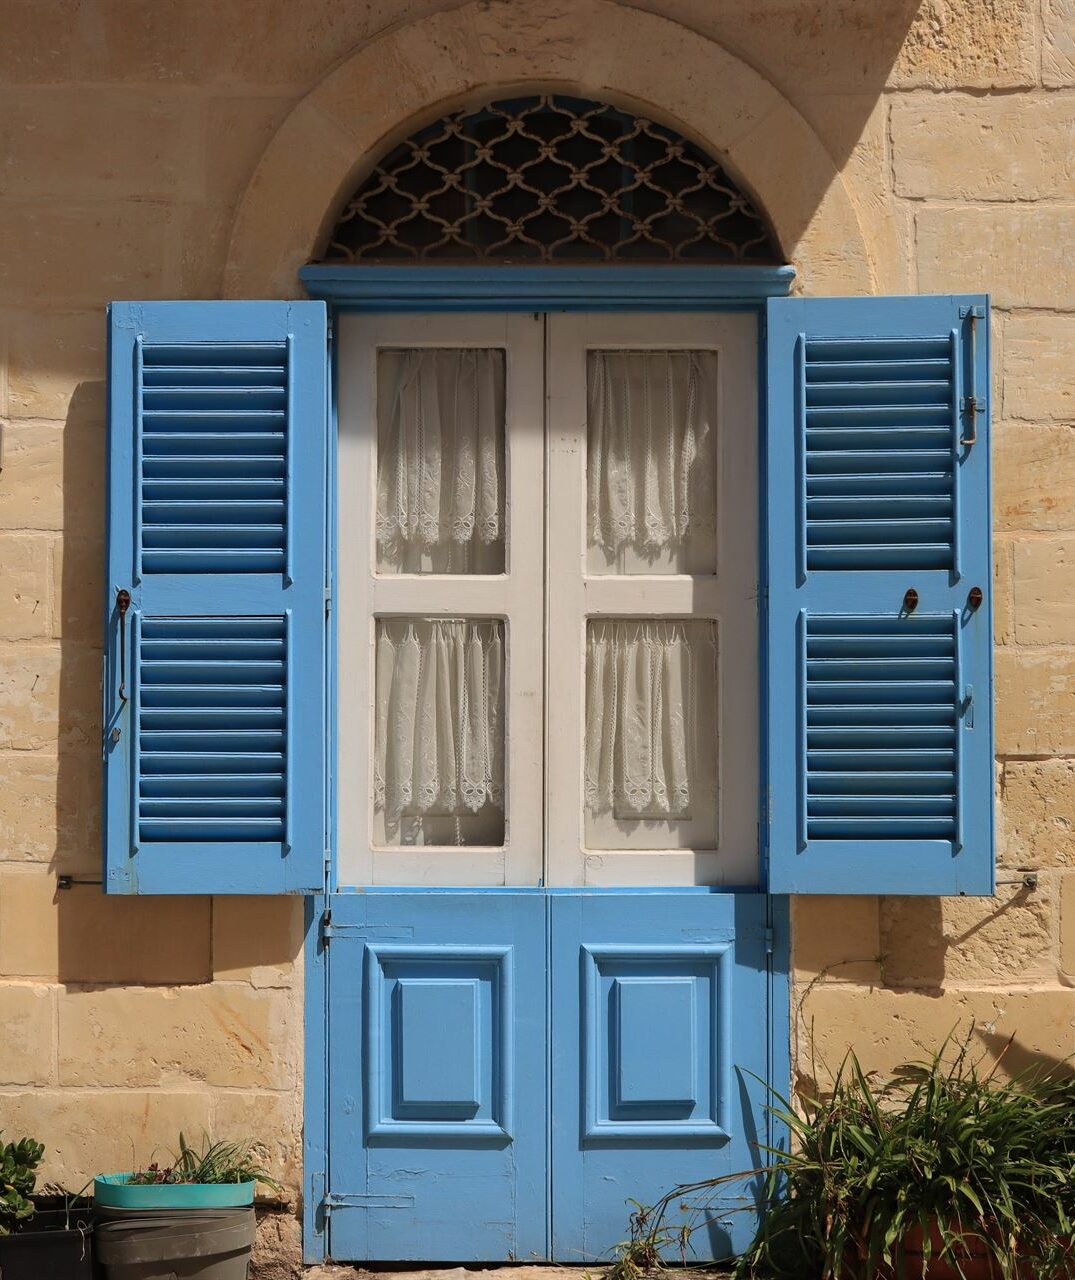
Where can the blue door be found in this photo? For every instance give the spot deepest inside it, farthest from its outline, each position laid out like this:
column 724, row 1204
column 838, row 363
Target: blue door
column 443, row 1057
column 437, row 1084
column 659, row 1035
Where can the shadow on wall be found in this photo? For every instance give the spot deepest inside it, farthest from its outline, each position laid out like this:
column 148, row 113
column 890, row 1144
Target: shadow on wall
column 830, row 59
column 105, row 940
column 1019, row 1059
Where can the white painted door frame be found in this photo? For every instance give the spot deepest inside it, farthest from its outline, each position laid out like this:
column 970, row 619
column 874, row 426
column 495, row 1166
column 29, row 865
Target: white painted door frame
column 546, row 596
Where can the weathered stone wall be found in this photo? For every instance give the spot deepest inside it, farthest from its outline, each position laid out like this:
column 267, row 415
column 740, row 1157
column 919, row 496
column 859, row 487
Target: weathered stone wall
column 980, row 167
column 900, row 146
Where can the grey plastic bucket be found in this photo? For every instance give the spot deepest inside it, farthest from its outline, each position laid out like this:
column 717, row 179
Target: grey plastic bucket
column 188, row 1244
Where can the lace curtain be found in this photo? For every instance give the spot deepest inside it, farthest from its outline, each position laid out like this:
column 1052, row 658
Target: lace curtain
column 642, row 679
column 652, row 428
column 439, row 733
column 440, row 461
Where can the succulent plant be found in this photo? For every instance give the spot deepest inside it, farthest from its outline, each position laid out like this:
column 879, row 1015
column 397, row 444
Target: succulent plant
column 18, row 1166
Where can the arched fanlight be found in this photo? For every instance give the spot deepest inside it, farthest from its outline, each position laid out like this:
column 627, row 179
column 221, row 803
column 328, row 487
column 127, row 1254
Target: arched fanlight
column 550, row 179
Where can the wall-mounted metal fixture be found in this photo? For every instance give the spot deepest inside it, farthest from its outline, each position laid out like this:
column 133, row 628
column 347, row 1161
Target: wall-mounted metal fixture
column 971, row 406
column 1029, row 880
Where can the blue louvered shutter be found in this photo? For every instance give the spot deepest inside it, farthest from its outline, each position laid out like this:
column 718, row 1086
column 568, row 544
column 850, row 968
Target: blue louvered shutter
column 880, row 747
column 214, row 680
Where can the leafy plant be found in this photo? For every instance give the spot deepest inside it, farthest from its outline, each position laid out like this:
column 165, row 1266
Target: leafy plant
column 216, row 1162
column 943, row 1154
column 18, row 1165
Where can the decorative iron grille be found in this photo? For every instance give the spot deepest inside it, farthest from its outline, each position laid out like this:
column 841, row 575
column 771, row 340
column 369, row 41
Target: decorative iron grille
column 549, row 179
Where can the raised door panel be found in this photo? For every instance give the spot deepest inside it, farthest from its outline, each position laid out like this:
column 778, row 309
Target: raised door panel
column 437, row 1076
column 659, row 1034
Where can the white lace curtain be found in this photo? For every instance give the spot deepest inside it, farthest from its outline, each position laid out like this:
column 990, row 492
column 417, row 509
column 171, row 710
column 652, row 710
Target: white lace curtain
column 642, row 679
column 439, row 740
column 652, row 428
column 440, row 461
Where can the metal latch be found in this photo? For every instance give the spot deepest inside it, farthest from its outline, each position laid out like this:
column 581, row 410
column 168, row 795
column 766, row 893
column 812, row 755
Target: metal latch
column 368, row 1201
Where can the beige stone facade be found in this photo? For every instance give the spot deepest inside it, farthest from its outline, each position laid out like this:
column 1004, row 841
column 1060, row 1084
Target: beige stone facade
column 200, row 148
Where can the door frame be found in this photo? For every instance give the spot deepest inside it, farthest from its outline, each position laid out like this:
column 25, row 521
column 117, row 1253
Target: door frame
column 388, row 290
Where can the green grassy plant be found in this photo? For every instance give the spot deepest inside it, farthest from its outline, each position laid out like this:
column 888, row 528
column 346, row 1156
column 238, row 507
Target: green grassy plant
column 943, row 1148
column 215, row 1162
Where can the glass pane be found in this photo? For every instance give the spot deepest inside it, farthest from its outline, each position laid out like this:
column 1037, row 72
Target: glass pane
column 651, row 461
column 651, row 734
column 440, row 460
column 439, row 732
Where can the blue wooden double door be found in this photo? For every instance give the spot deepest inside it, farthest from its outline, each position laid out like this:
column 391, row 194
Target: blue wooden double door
column 511, row 1069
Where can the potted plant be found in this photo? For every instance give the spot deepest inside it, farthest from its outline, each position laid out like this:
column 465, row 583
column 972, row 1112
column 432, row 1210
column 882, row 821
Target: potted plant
column 34, row 1244
column 194, row 1214
column 943, row 1172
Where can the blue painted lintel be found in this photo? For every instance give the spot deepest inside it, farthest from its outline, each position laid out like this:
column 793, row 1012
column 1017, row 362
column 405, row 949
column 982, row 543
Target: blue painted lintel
column 505, row 288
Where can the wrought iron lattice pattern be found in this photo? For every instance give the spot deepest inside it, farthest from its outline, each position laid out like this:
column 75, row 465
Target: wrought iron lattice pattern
column 549, row 179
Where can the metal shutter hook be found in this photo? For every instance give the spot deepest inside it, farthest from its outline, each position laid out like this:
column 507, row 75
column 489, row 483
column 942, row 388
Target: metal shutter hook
column 123, row 603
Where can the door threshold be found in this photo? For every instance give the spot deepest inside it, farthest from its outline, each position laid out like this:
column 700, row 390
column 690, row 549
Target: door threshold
column 502, row 1270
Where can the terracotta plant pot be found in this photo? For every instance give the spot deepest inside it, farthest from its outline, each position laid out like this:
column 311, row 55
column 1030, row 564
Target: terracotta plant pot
column 975, row 1259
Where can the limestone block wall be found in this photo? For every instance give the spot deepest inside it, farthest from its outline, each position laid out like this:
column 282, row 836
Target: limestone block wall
column 129, row 133
column 981, row 172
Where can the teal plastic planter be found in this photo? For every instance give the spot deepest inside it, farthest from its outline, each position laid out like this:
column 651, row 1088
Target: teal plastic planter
column 114, row 1191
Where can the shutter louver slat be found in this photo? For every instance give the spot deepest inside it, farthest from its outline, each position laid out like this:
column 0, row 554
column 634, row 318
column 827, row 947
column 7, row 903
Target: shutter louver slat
column 880, row 675
column 872, row 407
column 210, row 398
column 845, row 752
column 226, row 659
column 217, row 530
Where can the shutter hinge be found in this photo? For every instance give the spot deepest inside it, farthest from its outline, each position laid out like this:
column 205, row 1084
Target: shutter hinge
column 327, row 931
column 328, row 601
column 973, row 405
column 768, row 939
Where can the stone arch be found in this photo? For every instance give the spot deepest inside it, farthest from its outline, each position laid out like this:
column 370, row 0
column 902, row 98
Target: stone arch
column 597, row 48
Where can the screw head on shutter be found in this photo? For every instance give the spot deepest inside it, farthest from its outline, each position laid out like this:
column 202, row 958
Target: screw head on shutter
column 910, row 600
column 974, row 598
